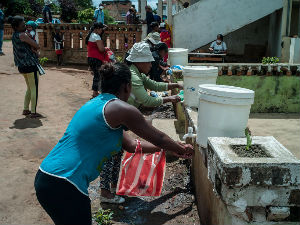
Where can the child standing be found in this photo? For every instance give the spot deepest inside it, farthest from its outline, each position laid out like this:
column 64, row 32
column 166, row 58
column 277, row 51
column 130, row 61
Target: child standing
column 58, row 46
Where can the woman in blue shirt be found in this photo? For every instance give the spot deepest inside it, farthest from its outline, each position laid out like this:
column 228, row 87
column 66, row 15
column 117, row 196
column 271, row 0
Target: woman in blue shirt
column 218, row 46
column 93, row 135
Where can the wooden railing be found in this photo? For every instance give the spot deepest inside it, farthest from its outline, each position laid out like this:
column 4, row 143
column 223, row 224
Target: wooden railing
column 8, row 31
column 119, row 38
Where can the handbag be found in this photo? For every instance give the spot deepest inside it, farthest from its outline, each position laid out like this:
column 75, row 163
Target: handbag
column 141, row 174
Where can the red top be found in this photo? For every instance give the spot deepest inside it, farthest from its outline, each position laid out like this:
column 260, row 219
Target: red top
column 93, row 51
column 166, row 38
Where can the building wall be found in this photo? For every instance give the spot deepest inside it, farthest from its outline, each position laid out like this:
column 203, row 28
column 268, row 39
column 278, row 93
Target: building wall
column 226, row 19
column 117, row 10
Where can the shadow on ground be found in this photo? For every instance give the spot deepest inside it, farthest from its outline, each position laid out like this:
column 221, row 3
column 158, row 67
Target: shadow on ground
column 139, row 211
column 26, row 122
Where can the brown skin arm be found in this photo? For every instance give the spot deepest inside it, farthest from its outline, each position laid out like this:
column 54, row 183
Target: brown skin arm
column 174, row 85
column 28, row 40
column 133, row 119
column 100, row 46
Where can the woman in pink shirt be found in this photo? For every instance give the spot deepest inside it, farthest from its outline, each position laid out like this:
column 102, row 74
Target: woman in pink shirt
column 96, row 54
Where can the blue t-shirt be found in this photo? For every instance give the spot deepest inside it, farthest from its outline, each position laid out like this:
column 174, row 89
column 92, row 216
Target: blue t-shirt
column 87, row 143
column 99, row 16
column 218, row 48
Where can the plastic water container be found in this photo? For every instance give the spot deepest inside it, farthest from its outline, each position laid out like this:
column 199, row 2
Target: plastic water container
column 223, row 111
column 193, row 76
column 178, row 56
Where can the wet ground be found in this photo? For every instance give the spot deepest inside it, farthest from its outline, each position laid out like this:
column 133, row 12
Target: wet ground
column 176, row 204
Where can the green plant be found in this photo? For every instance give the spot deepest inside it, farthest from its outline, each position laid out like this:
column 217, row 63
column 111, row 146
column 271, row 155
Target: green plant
column 104, row 217
column 119, row 58
column 43, row 60
column 86, row 16
column 249, row 138
column 270, row 60
column 107, row 18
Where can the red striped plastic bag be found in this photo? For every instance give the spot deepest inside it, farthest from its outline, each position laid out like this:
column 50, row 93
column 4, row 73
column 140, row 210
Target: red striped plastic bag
column 141, row 174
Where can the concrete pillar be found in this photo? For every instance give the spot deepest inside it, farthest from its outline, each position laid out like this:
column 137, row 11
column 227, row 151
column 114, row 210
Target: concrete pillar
column 299, row 21
column 139, row 6
column 169, row 7
column 160, row 8
column 286, row 17
column 143, row 11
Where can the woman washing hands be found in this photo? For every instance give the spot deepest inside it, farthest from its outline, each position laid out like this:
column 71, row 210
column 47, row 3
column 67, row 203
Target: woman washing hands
column 94, row 134
column 140, row 58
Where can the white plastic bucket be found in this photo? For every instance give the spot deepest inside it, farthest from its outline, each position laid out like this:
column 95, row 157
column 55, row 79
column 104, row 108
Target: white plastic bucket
column 178, row 56
column 223, row 111
column 193, row 76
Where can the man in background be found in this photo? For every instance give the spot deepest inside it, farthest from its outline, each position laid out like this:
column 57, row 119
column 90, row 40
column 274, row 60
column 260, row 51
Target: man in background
column 149, row 18
column 99, row 14
column 1, row 29
column 47, row 15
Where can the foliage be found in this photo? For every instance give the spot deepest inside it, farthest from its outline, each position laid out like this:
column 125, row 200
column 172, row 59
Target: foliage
column 83, row 4
column 270, row 60
column 107, row 18
column 43, row 60
column 249, row 139
column 68, row 10
column 104, row 217
column 23, row 7
column 119, row 59
column 86, row 16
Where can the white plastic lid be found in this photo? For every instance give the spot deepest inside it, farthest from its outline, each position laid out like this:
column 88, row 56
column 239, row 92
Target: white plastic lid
column 200, row 71
column 226, row 91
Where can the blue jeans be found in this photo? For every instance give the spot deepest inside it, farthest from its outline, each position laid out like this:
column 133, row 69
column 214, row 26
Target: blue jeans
column 1, row 39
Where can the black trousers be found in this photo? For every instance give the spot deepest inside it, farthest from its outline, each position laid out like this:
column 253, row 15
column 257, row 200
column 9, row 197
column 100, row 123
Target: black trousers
column 63, row 202
column 95, row 65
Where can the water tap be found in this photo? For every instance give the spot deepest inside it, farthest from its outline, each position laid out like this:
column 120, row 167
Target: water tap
column 189, row 134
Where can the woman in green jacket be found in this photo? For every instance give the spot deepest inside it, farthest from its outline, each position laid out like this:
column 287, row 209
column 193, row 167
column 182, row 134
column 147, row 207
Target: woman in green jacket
column 140, row 58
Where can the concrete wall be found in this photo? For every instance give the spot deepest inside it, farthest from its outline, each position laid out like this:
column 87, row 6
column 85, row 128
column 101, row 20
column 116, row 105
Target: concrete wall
column 252, row 36
column 207, row 18
column 272, row 93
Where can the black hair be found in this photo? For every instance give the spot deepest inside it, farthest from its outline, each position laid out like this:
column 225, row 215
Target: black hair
column 186, row 4
column 153, row 24
column 15, row 21
column 95, row 26
column 113, row 75
column 161, row 46
column 220, row 36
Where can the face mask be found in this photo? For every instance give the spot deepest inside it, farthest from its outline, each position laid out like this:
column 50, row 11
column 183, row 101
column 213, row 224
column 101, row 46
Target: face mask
column 218, row 41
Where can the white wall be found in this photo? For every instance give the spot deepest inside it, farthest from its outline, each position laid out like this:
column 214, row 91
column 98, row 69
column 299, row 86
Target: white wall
column 201, row 22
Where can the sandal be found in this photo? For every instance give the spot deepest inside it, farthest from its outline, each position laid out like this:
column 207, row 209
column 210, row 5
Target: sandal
column 26, row 112
column 35, row 115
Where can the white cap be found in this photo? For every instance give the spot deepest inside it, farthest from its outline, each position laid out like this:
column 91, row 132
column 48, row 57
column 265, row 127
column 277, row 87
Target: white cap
column 162, row 25
column 140, row 52
column 154, row 38
column 101, row 7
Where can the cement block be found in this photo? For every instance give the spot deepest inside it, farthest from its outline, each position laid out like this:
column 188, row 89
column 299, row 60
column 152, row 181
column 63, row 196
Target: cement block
column 278, row 213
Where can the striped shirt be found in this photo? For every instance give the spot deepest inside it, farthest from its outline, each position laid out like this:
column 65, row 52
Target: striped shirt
column 23, row 54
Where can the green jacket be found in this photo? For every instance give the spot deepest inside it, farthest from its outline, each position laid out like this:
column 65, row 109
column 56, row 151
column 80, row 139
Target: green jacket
column 139, row 96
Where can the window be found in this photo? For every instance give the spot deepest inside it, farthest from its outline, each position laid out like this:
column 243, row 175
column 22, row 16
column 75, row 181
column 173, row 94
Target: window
column 164, row 7
column 123, row 14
